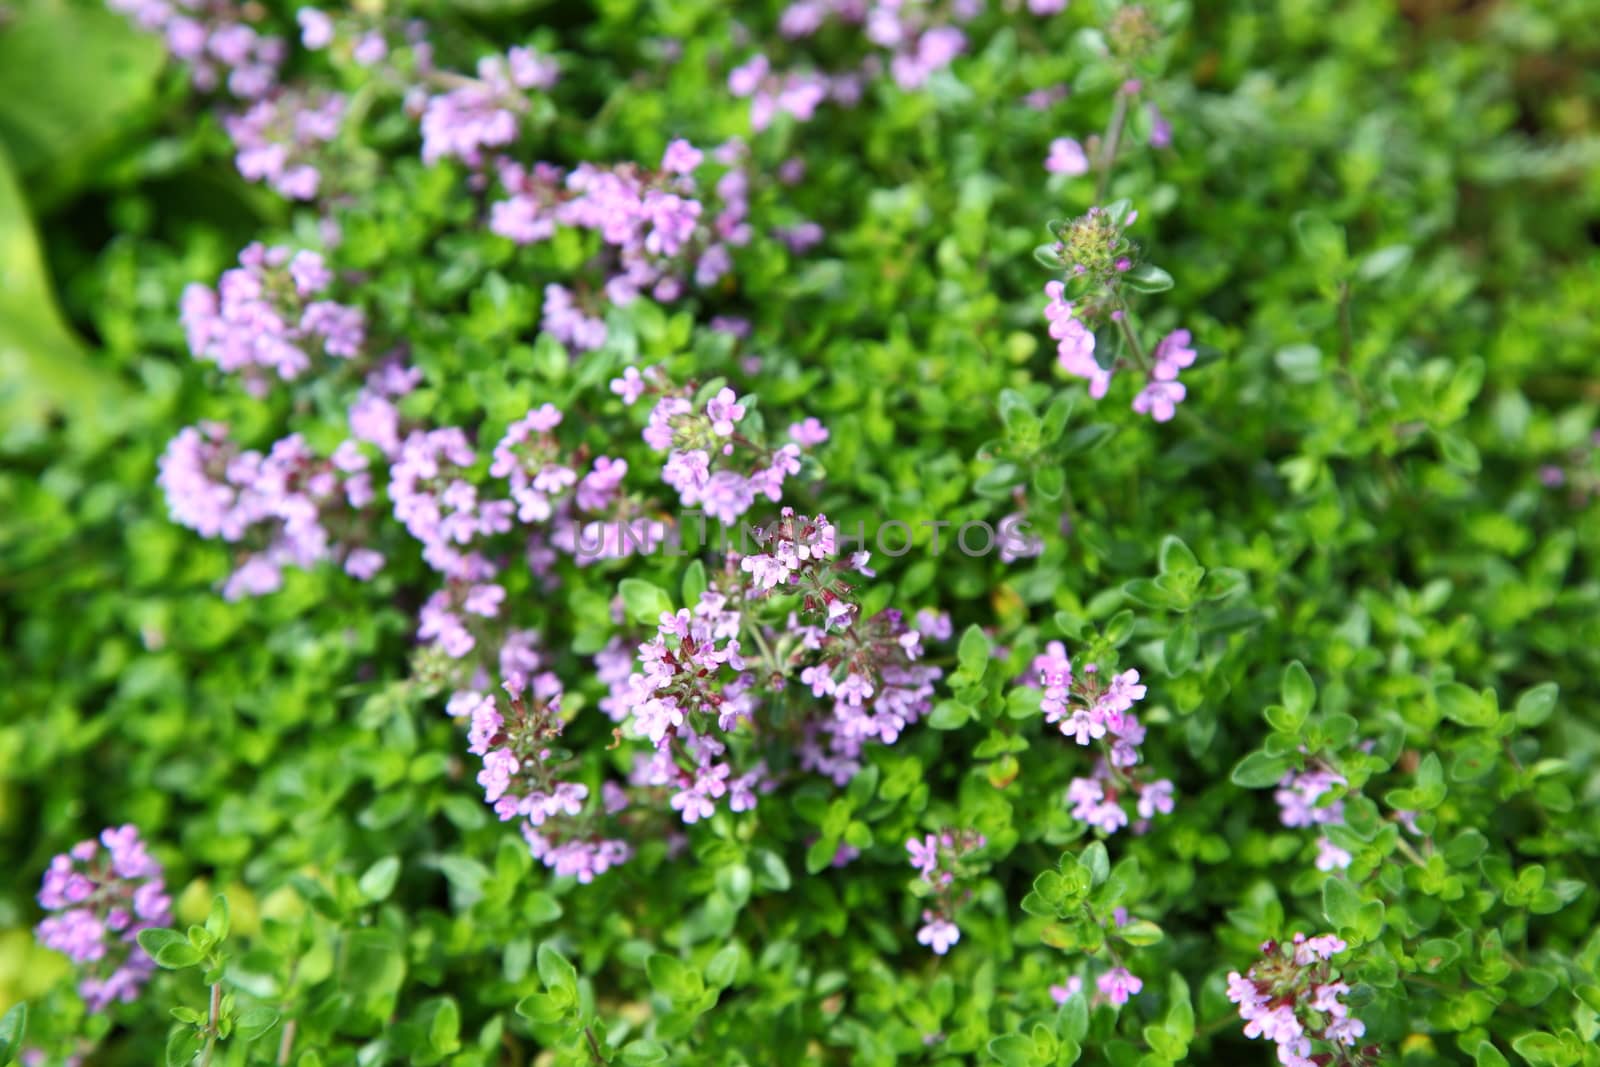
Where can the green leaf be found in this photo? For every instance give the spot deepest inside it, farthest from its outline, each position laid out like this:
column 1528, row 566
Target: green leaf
column 1535, row 705
column 1383, row 262
column 949, row 715
column 820, row 855
column 1181, row 648
column 1013, row 1050
column 644, row 602
column 1542, row 1050
column 722, row 967
column 694, row 583
column 444, row 1031
column 1465, row 706
column 1147, row 278
column 672, row 977
column 1258, row 770
column 1486, row 1055
column 1097, row 861
column 544, row 1009
column 13, row 1031
column 169, row 948
column 1322, row 242
column 1299, row 693
column 43, row 366
column 1175, row 557
column 1465, row 848
column 974, row 652
column 253, row 1022
column 1140, row 932
column 1119, row 628
column 1075, row 1018
column 182, row 1047
column 555, row 970
column 1049, row 256
column 379, row 880
column 1340, row 903
column 1015, row 411
column 643, row 1052
column 74, row 80
column 217, row 920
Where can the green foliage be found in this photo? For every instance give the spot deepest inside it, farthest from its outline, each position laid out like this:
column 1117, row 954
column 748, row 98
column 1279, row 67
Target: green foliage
column 1377, row 221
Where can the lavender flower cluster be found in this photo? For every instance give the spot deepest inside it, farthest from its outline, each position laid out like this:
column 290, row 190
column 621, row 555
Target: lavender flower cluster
column 1087, row 708
column 1116, row 986
column 216, row 40
column 659, row 231
column 269, row 315
column 100, row 894
column 710, row 462
column 1292, row 997
column 1096, row 256
column 698, row 700
column 285, row 508
column 910, row 39
column 943, row 862
column 1300, row 803
column 527, row 775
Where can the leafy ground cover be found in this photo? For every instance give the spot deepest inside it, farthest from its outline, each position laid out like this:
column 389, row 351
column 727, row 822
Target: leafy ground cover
column 932, row 532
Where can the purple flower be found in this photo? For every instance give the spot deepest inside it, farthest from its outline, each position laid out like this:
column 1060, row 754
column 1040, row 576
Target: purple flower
column 316, row 28
column 681, row 158
column 924, row 853
column 100, row 896
column 1330, row 857
column 809, row 433
column 1117, row 985
column 938, row 933
column 1160, row 128
column 1065, row 992
column 1067, row 157
column 1160, row 399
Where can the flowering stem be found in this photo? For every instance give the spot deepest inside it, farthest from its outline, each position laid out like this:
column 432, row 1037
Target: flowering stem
column 287, row 1044
column 1410, row 853
column 766, row 652
column 594, row 1046
column 1125, row 325
column 211, row 1026
column 1108, row 150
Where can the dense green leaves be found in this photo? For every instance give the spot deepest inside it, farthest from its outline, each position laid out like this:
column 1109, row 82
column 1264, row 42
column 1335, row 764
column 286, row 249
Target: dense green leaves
column 1356, row 568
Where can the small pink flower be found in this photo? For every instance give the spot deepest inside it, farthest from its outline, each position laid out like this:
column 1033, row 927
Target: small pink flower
column 1118, row 985
column 1063, row 993
column 1067, row 157
column 938, row 933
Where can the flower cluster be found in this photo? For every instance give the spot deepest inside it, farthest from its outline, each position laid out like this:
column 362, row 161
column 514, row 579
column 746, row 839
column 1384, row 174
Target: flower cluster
column 699, row 686
column 527, row 775
column 287, row 507
column 943, row 862
column 912, row 39
column 589, row 515
column 1115, row 987
column 216, row 40
column 659, row 230
column 1292, row 997
column 710, row 461
column 270, row 315
column 1101, row 266
column 1087, row 708
column 476, row 114
column 100, row 895
column 279, row 140
column 1299, row 796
